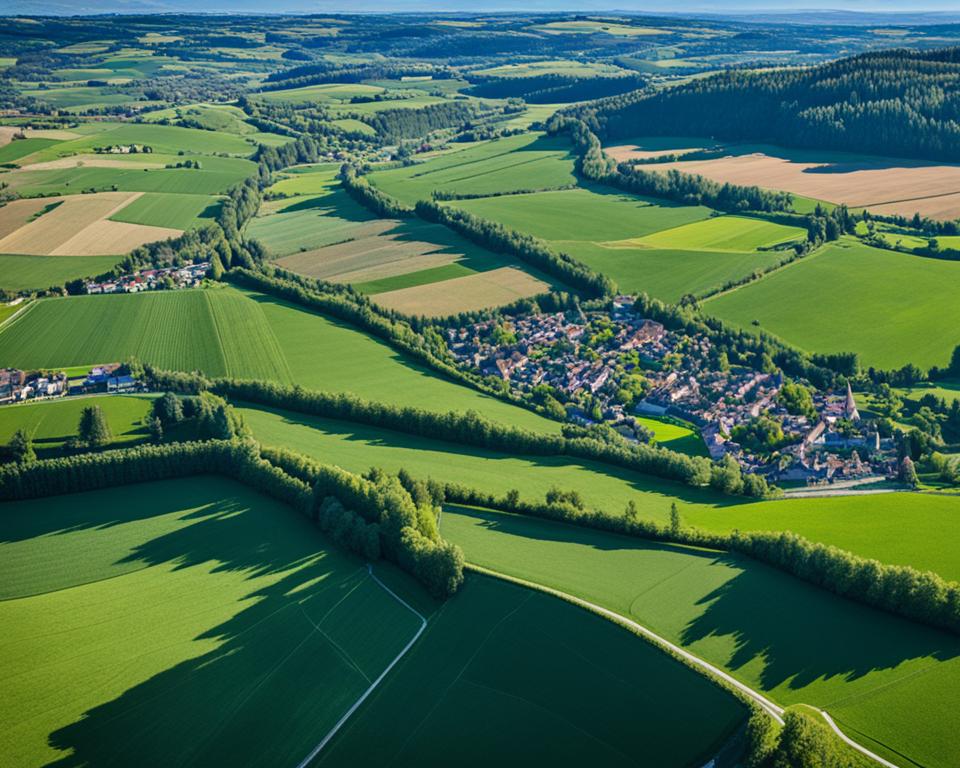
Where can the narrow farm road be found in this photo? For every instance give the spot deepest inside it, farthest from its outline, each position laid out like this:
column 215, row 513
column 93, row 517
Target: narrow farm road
column 356, row 705
column 774, row 710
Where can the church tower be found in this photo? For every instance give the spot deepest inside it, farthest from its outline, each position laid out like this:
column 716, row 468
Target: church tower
column 850, row 408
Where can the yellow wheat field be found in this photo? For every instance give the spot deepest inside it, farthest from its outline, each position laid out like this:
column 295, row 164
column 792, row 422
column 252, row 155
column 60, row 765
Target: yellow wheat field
column 78, row 226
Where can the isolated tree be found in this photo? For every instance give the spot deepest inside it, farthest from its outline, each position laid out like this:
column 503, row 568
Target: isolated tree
column 631, row 513
column 93, row 430
column 674, row 518
column 21, row 447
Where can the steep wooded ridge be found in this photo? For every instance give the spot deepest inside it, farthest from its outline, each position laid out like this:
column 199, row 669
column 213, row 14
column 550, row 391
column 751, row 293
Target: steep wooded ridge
column 896, row 102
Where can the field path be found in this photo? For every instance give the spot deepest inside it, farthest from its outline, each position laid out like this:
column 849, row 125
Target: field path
column 774, row 710
column 356, row 705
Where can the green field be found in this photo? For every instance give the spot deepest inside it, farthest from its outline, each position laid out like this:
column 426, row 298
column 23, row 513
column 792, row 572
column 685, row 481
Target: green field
column 182, row 211
column 667, row 274
column 8, row 310
column 310, row 222
column 220, row 332
column 597, row 214
column 891, row 308
column 213, row 117
column 162, row 139
column 325, row 354
column 616, row 234
column 184, row 621
column 326, row 93
column 182, row 181
column 23, row 147
column 549, row 67
column 527, row 161
column 898, row 528
column 19, row 273
column 51, row 423
column 499, row 663
column 197, row 621
column 319, row 179
column 725, row 233
column 81, row 98
column 888, row 682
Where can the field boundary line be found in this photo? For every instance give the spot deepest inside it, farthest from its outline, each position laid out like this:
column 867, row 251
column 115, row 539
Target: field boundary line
column 711, row 671
column 363, row 697
column 775, row 711
column 851, row 743
column 18, row 314
column 819, row 251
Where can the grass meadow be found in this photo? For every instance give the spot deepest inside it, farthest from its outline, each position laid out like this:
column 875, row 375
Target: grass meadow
column 51, row 423
column 725, row 233
column 891, row 308
column 309, row 222
column 897, row 528
column 181, row 181
column 162, row 139
column 499, row 662
column 220, row 332
column 528, row 161
column 19, row 272
column 157, row 209
column 325, row 354
column 874, row 673
column 645, row 245
column 184, row 621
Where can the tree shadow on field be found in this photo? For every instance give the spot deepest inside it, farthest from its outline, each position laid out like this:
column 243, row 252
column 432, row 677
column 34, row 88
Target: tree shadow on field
column 800, row 632
column 804, row 633
column 273, row 683
column 70, row 513
column 540, row 529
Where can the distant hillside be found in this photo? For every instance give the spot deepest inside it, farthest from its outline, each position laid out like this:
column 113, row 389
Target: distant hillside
column 898, row 102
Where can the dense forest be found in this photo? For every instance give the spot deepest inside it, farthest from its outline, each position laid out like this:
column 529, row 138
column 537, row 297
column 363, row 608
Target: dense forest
column 555, row 88
column 899, row 102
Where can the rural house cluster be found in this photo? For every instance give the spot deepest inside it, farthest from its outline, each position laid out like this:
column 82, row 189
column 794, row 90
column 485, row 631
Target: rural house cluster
column 618, row 365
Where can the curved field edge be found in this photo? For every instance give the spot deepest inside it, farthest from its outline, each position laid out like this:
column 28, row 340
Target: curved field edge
column 499, row 662
column 791, row 641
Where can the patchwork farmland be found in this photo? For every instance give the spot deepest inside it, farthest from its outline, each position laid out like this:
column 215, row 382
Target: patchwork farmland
column 410, row 266
column 564, row 388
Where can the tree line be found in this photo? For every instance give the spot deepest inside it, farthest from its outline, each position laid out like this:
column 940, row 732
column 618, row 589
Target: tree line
column 326, row 72
column 470, row 428
column 361, row 190
column 555, row 88
column 500, row 239
column 687, row 188
column 395, row 125
column 369, row 515
column 357, row 508
column 917, row 595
